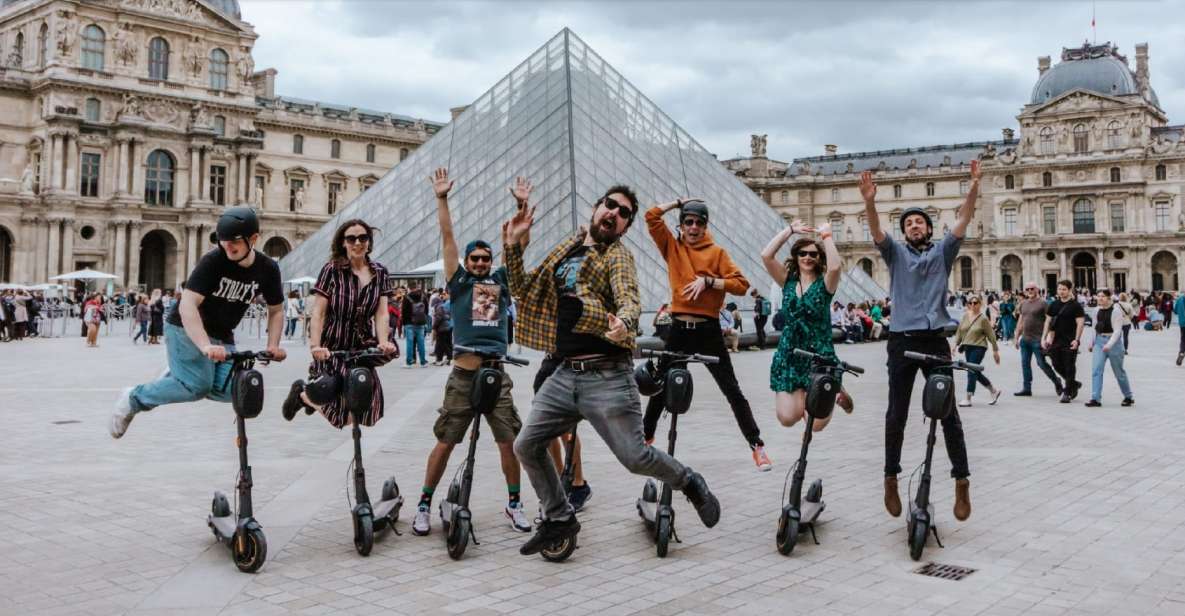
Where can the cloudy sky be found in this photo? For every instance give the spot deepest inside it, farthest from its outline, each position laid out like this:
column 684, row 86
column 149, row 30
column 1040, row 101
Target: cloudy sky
column 863, row 75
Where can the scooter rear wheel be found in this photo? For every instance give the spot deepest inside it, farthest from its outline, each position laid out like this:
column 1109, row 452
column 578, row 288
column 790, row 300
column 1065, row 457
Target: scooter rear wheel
column 249, row 550
column 787, row 533
column 662, row 535
column 363, row 534
column 559, row 552
column 390, row 489
column 917, row 539
column 458, row 539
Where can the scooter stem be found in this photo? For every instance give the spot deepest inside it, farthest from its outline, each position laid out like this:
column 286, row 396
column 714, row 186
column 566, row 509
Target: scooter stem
column 467, row 474
column 923, row 498
column 244, row 483
column 800, row 470
column 360, row 494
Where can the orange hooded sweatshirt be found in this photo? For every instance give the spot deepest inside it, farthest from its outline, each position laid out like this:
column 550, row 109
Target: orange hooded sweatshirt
column 685, row 262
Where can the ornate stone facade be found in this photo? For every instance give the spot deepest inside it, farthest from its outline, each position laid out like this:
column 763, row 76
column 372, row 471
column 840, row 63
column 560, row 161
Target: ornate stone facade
column 1090, row 191
column 126, row 126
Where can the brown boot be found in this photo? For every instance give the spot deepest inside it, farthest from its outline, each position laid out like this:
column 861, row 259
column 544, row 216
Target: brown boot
column 892, row 501
column 844, row 401
column 962, row 499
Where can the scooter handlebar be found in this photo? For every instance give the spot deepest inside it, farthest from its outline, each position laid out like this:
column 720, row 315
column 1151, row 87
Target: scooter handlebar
column 508, row 359
column 944, row 362
column 693, row 357
column 827, row 361
column 260, row 356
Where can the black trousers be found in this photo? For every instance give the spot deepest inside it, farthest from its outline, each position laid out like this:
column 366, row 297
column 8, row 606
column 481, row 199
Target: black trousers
column 444, row 345
column 760, row 323
column 706, row 339
column 1182, row 347
column 902, row 372
column 1065, row 363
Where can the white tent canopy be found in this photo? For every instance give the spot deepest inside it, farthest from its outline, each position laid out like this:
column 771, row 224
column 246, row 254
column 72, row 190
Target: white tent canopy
column 301, row 280
column 435, row 266
column 84, row 274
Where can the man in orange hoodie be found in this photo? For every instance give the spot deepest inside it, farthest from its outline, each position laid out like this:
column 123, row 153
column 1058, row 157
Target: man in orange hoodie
column 701, row 274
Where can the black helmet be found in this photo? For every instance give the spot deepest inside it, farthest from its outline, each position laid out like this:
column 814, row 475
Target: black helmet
column 648, row 380
column 695, row 207
column 920, row 212
column 237, row 223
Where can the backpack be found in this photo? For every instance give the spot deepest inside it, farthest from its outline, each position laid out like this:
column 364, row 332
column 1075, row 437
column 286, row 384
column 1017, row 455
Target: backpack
column 419, row 313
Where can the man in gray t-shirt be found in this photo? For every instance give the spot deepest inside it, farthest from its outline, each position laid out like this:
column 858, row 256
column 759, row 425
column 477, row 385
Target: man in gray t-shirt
column 1028, row 340
column 918, row 271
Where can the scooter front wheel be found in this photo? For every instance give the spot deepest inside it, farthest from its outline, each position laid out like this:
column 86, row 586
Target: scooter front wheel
column 249, row 549
column 787, row 533
column 917, row 539
column 560, row 551
column 363, row 534
column 458, row 539
column 662, row 535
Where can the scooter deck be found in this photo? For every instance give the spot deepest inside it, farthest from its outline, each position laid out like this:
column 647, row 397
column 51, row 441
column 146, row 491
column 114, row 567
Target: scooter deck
column 225, row 526
column 384, row 508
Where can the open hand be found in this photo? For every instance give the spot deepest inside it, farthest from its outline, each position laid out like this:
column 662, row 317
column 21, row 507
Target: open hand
column 521, row 191
column 692, row 290
column 867, row 186
column 518, row 228
column 976, row 171
column 800, row 227
column 441, row 185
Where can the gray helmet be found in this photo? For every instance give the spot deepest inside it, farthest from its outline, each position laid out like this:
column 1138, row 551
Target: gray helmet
column 920, row 212
column 694, row 207
column 237, row 223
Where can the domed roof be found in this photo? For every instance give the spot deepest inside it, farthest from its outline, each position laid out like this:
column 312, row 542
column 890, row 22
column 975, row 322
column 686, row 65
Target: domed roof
column 1097, row 68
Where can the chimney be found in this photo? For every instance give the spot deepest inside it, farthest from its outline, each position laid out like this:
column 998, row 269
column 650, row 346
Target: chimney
column 830, row 149
column 456, row 111
column 1042, row 65
column 264, row 83
column 1142, row 59
column 1008, row 134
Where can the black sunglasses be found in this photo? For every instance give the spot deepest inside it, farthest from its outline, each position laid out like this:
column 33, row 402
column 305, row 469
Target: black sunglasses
column 622, row 210
column 480, row 258
column 355, row 239
column 693, row 221
column 814, row 254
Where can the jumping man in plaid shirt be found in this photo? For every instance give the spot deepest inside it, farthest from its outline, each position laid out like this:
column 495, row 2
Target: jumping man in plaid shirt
column 581, row 305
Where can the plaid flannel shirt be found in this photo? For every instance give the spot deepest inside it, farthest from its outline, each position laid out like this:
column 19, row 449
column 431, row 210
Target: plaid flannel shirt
column 607, row 284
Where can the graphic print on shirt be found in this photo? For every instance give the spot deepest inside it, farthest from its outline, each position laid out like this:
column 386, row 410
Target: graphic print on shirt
column 567, row 273
column 236, row 291
column 485, row 311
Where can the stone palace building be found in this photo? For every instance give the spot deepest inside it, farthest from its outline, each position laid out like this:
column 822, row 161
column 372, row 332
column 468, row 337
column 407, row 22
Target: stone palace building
column 127, row 125
column 1090, row 189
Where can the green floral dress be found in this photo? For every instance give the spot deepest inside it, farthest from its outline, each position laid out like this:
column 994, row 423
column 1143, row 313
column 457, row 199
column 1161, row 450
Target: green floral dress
column 808, row 327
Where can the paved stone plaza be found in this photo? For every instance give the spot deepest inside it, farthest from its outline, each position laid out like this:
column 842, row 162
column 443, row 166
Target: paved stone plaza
column 1076, row 510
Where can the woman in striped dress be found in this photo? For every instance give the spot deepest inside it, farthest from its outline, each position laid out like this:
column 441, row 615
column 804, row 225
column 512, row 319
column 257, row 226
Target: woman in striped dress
column 349, row 313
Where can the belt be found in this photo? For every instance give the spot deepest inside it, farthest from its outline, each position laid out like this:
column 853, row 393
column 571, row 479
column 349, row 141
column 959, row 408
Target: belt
column 580, row 366
column 681, row 324
column 920, row 333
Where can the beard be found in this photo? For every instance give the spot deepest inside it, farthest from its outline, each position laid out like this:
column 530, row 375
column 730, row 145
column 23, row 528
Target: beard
column 602, row 233
column 921, row 242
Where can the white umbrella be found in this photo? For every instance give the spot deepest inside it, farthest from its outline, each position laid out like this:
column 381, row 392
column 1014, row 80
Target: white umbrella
column 435, row 266
column 85, row 274
column 5, row 286
column 301, row 280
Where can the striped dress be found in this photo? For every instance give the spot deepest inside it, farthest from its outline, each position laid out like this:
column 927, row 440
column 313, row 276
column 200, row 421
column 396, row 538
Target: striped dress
column 349, row 325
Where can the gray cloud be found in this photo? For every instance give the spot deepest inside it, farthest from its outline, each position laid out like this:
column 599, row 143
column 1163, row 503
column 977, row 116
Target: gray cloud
column 864, row 75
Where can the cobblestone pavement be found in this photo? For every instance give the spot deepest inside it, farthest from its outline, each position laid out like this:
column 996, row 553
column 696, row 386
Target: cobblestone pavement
column 1076, row 510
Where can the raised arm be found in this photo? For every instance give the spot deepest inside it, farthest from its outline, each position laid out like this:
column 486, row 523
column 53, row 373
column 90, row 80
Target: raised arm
column 769, row 256
column 441, row 185
column 868, row 192
column 967, row 211
column 515, row 235
column 834, row 261
column 659, row 232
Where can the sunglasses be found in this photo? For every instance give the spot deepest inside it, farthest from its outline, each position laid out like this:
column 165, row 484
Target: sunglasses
column 973, row 303
column 357, row 239
column 692, row 221
column 814, row 254
column 480, row 258
column 622, row 210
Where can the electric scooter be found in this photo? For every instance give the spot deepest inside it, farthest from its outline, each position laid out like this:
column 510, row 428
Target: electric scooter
column 938, row 399
column 455, row 516
column 820, row 401
column 676, row 385
column 238, row 529
column 368, row 519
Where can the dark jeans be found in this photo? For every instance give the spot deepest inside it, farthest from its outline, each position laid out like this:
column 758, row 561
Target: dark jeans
column 444, row 345
column 143, row 333
column 760, row 329
column 1127, row 330
column 902, row 373
column 974, row 354
column 707, row 340
column 1065, row 362
column 1181, row 349
column 1030, row 349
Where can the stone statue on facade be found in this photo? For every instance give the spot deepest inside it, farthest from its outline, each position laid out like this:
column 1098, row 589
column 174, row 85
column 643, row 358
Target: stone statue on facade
column 299, row 197
column 1181, row 221
column 757, row 143
column 989, row 151
column 130, row 105
column 27, row 180
column 193, row 57
column 258, row 196
column 124, row 44
column 64, row 37
column 198, row 116
column 245, row 67
column 419, row 126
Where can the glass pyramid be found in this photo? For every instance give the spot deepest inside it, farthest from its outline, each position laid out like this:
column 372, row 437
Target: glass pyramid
column 574, row 126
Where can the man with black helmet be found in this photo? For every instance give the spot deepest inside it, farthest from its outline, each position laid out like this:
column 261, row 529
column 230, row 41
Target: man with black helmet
column 199, row 330
column 919, row 270
column 701, row 273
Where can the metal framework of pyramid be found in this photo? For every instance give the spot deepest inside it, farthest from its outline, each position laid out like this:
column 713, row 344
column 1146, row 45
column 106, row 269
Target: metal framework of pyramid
column 574, row 126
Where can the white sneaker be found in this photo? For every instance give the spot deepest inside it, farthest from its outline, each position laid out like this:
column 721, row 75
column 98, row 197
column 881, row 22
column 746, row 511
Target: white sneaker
column 123, row 414
column 518, row 519
column 965, row 402
column 422, row 525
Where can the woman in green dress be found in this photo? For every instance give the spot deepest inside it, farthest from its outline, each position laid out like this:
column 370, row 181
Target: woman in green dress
column 808, row 279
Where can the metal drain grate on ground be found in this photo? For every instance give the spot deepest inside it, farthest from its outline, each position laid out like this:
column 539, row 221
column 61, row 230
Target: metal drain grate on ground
column 945, row 572
column 64, row 422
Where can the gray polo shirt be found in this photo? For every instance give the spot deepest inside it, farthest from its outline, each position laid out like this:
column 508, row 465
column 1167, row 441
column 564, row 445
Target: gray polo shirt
column 918, row 282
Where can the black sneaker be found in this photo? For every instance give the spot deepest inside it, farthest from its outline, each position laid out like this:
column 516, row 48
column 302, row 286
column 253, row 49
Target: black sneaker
column 702, row 498
column 1023, row 392
column 1180, row 358
column 579, row 496
column 1094, row 403
column 1077, row 387
column 1128, row 402
column 293, row 403
column 1065, row 399
column 550, row 532
column 1057, row 387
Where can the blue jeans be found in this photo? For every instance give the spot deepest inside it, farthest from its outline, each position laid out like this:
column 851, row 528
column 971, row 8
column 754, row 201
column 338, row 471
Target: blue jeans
column 1030, row 349
column 290, row 330
column 413, row 335
column 143, row 333
column 191, row 375
column 1115, row 356
column 974, row 355
column 1008, row 325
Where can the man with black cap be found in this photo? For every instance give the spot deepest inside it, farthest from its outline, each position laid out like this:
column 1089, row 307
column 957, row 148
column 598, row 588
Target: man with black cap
column 199, row 330
column 480, row 300
column 919, row 270
column 701, row 273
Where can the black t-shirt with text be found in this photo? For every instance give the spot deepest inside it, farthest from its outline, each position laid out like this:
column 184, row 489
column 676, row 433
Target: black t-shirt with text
column 1065, row 324
column 569, row 310
column 228, row 289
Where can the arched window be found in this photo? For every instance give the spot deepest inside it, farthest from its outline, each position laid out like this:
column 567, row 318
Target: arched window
column 929, row 189
column 158, row 182
column 1114, row 135
column 220, row 125
column 93, row 40
column 1162, row 173
column 1048, row 146
column 403, row 152
column 158, row 59
column 1047, row 179
column 18, row 50
column 43, row 46
column 370, row 152
column 94, row 110
column 1115, row 175
column 1009, row 182
column 218, row 69
column 298, row 144
column 1081, row 139
column 1083, row 216
column 335, row 148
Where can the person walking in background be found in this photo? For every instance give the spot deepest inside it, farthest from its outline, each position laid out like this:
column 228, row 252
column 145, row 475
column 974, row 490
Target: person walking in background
column 142, row 313
column 156, row 317
column 1179, row 310
column 975, row 333
column 1107, row 347
column 728, row 330
column 1007, row 316
column 415, row 323
column 20, row 313
column 91, row 319
column 1123, row 305
column 761, row 311
column 1063, row 334
column 1030, row 328
column 292, row 313
column 442, row 330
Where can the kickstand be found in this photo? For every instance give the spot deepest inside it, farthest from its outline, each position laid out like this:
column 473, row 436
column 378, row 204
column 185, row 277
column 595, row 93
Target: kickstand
column 394, row 529
column 934, row 529
column 675, row 535
column 473, row 535
column 813, row 535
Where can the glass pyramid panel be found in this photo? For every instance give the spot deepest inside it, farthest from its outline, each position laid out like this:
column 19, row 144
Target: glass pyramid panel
column 565, row 119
